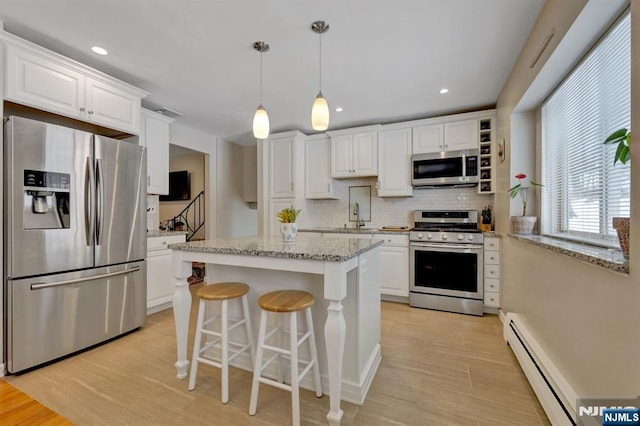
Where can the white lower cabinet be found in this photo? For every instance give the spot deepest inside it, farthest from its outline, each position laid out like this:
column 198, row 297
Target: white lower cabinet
column 394, row 264
column 492, row 272
column 160, row 281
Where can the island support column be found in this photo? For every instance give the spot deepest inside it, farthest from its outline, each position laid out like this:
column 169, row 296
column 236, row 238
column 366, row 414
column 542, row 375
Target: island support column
column 182, row 270
column 335, row 290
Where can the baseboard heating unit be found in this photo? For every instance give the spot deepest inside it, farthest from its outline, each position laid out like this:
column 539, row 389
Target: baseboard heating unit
column 554, row 393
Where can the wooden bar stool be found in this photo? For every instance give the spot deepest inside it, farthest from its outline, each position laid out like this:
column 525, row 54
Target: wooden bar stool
column 222, row 292
column 291, row 302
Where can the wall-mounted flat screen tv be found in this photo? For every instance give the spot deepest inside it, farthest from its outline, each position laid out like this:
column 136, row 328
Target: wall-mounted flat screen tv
column 179, row 187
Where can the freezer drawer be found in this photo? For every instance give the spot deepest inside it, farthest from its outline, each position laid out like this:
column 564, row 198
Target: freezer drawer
column 55, row 315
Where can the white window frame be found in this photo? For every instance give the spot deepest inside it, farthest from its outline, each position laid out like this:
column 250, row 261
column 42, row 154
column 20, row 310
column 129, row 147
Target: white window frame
column 555, row 196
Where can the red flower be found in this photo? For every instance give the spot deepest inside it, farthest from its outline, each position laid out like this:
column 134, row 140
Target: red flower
column 521, row 176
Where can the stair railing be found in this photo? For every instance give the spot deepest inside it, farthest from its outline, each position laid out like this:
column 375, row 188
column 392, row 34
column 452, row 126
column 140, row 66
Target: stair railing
column 191, row 218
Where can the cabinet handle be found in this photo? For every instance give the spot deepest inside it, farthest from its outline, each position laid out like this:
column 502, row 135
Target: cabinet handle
column 291, row 186
column 328, row 187
column 148, row 180
column 82, row 109
column 491, row 272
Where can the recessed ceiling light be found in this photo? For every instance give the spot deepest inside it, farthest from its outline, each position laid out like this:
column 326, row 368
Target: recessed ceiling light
column 443, row 91
column 339, row 109
column 99, row 50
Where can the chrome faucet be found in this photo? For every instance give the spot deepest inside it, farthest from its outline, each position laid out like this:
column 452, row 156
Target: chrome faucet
column 356, row 212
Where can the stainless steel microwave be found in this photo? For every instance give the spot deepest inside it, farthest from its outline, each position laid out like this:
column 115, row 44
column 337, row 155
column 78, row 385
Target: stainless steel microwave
column 447, row 168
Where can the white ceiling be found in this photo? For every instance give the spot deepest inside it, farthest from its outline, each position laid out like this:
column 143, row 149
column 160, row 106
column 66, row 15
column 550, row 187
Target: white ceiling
column 382, row 61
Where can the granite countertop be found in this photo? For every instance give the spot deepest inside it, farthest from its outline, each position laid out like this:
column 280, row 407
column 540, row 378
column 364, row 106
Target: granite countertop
column 308, row 248
column 339, row 230
column 606, row 258
column 161, row 233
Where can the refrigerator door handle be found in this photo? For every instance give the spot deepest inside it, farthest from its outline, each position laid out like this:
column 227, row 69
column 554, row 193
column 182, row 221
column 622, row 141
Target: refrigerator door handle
column 88, row 202
column 39, row 286
column 99, row 201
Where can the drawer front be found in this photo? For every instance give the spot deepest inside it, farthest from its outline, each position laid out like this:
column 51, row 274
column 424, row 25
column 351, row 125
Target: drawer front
column 393, row 239
column 492, row 284
column 492, row 243
column 161, row 243
column 491, row 257
column 491, row 299
column 492, row 271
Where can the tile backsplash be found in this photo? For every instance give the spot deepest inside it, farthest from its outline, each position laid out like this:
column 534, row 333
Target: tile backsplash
column 390, row 211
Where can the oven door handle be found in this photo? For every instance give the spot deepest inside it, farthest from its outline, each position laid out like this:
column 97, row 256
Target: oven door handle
column 449, row 246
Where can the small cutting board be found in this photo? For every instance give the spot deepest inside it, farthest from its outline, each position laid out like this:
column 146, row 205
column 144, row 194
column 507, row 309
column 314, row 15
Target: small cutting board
column 394, row 228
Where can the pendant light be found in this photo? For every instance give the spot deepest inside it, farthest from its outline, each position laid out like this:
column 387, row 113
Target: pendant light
column 261, row 119
column 320, row 109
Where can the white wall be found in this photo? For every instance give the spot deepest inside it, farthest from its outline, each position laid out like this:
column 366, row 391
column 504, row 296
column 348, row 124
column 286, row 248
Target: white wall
column 235, row 218
column 196, row 140
column 585, row 317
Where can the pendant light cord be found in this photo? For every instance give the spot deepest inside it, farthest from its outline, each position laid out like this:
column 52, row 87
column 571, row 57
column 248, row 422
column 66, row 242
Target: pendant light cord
column 261, row 77
column 320, row 62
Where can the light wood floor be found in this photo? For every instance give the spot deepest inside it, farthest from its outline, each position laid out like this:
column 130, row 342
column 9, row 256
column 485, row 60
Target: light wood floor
column 437, row 369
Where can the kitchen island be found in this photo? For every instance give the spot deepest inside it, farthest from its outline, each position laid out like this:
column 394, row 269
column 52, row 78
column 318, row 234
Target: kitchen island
column 342, row 274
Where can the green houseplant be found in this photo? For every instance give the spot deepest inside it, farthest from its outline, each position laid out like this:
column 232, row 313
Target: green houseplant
column 288, row 227
column 622, row 137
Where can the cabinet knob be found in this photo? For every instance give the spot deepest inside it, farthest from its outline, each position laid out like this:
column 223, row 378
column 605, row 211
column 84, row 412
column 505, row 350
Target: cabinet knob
column 491, row 272
column 90, row 112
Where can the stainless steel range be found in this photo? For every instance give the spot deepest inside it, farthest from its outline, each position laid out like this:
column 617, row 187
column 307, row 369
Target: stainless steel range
column 446, row 260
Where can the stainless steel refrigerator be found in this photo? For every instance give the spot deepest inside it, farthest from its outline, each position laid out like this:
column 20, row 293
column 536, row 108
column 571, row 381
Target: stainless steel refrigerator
column 75, row 240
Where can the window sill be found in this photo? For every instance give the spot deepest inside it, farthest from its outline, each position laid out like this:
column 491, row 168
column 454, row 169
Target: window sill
column 598, row 256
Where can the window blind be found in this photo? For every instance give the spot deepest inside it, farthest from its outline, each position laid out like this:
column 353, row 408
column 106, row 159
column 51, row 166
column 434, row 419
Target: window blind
column 583, row 188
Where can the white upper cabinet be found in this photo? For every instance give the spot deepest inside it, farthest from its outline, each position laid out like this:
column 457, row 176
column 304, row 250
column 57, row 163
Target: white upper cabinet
column 461, row 135
column 394, row 166
column 282, row 167
column 111, row 106
column 318, row 182
column 428, row 139
column 36, row 81
column 455, row 135
column 155, row 136
column 42, row 79
column 354, row 152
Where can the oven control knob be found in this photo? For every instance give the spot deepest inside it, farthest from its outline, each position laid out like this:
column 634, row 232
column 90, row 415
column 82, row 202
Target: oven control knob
column 445, row 237
column 470, row 237
column 429, row 236
column 420, row 235
column 460, row 237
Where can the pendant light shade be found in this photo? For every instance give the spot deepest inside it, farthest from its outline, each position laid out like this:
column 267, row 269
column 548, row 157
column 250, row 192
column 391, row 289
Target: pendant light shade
column 320, row 109
column 261, row 118
column 261, row 123
column 320, row 113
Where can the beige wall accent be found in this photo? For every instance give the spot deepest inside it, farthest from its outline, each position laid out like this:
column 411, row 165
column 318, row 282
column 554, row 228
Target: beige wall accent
column 194, row 164
column 586, row 318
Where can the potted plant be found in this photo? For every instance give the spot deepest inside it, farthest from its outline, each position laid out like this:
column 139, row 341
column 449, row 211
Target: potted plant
column 522, row 224
column 288, row 227
column 623, row 154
